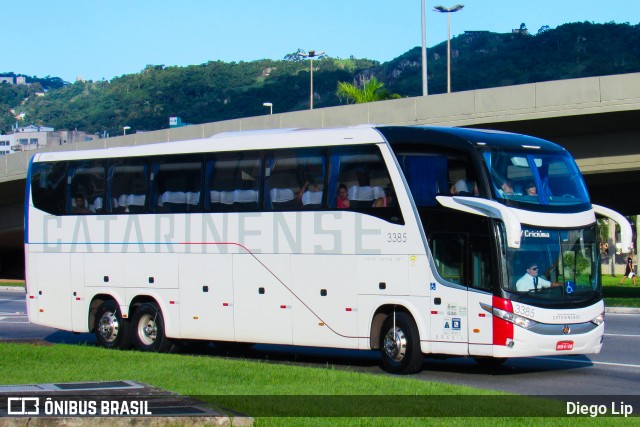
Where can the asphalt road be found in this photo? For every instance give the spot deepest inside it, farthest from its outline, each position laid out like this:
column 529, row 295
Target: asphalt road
column 615, row 371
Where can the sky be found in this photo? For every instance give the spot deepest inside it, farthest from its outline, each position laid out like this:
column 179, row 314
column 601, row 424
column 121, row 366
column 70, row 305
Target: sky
column 103, row 39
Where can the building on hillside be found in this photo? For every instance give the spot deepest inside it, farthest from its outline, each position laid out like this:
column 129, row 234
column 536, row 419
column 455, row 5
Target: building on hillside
column 33, row 137
column 33, row 128
column 19, row 80
column 176, row 122
column 6, row 144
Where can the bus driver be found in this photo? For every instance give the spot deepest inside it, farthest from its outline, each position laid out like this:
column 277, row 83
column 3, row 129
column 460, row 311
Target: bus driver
column 531, row 280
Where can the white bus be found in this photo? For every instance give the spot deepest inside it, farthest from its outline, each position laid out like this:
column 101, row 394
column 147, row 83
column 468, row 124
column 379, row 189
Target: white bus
column 409, row 240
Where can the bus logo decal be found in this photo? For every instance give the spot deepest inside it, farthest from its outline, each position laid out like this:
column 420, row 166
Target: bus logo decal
column 537, row 234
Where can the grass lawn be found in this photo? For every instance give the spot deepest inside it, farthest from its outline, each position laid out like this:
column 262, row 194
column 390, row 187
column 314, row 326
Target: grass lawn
column 208, row 376
column 12, row 283
column 615, row 295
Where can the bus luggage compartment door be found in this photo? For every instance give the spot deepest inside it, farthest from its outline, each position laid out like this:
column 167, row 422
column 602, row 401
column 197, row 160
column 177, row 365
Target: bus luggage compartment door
column 261, row 287
column 206, row 296
column 53, row 293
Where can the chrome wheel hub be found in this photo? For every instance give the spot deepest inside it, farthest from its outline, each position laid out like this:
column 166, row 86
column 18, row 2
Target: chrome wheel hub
column 108, row 327
column 147, row 330
column 395, row 344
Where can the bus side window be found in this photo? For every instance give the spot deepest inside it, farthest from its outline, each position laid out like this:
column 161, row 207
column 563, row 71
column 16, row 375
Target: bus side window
column 480, row 264
column 232, row 182
column 86, row 183
column 427, row 177
column 48, row 186
column 448, row 251
column 463, row 178
column 176, row 184
column 463, row 258
column 295, row 179
column 363, row 172
column 127, row 185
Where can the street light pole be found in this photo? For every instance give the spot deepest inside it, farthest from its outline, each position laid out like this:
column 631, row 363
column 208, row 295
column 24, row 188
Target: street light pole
column 312, row 54
column 270, row 105
column 125, row 129
column 425, row 90
column 448, row 11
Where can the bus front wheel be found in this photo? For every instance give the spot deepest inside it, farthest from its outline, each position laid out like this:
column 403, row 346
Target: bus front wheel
column 111, row 329
column 400, row 344
column 149, row 331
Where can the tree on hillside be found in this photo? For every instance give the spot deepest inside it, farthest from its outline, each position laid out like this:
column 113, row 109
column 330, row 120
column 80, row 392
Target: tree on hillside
column 372, row 90
column 295, row 56
column 543, row 29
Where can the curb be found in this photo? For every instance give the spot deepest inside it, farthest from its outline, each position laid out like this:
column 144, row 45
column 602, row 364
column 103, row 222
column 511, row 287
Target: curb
column 622, row 310
column 12, row 288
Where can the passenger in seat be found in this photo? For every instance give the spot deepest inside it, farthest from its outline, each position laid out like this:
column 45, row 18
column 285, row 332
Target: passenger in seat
column 531, row 189
column 386, row 201
column 460, row 188
column 309, row 185
column 81, row 205
column 342, row 202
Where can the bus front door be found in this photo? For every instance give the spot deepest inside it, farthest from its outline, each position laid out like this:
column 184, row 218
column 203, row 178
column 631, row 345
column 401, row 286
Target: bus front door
column 480, row 323
column 449, row 319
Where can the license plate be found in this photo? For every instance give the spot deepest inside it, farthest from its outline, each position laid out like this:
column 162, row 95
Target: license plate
column 564, row 345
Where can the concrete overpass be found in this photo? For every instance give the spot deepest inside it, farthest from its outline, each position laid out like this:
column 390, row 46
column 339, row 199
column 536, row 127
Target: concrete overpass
column 597, row 119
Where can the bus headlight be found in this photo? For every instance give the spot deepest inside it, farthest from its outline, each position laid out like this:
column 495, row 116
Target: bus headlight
column 598, row 320
column 523, row 322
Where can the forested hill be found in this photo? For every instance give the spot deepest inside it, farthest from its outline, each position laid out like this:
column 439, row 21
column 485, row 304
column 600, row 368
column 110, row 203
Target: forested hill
column 490, row 60
column 217, row 90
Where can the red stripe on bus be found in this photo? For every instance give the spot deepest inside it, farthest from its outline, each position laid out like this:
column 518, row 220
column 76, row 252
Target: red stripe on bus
column 502, row 330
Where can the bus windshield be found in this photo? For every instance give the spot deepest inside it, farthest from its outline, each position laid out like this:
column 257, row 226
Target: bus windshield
column 537, row 179
column 554, row 264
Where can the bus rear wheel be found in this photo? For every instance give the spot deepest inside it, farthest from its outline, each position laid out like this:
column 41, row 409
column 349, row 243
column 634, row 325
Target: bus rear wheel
column 149, row 331
column 400, row 344
column 111, row 329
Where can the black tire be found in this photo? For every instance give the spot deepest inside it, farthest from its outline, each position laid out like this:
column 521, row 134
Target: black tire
column 111, row 329
column 148, row 330
column 400, row 349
